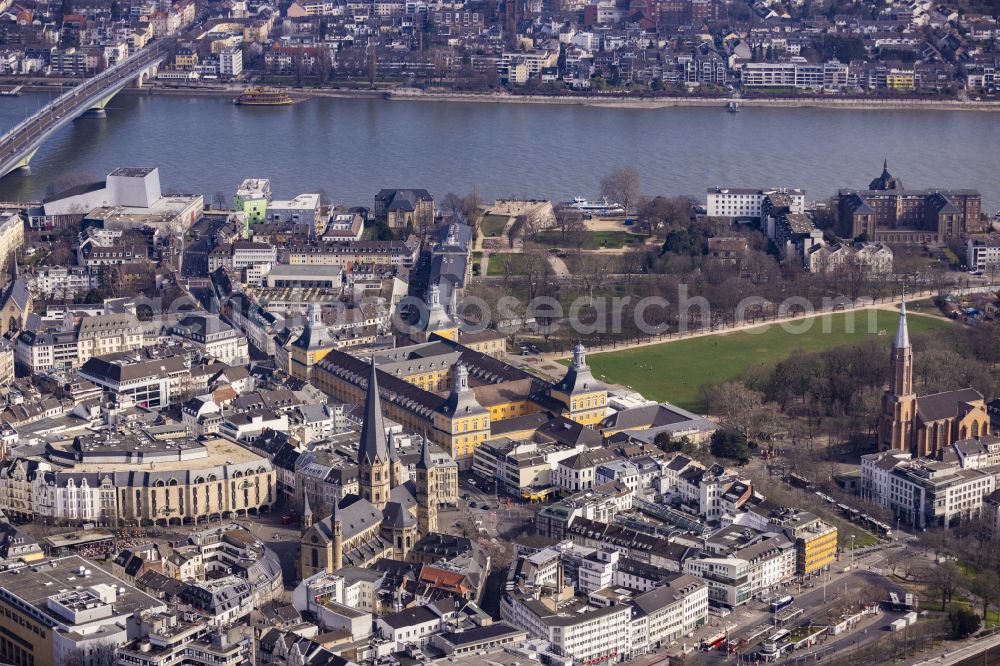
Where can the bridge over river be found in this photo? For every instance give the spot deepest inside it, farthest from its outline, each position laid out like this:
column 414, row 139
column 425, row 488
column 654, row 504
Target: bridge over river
column 19, row 145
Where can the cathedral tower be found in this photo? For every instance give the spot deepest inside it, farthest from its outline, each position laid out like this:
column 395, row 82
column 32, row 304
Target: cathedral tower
column 899, row 401
column 426, row 492
column 374, row 459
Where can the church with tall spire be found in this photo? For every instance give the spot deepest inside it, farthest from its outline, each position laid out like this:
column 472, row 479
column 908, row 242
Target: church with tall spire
column 924, row 425
column 389, row 513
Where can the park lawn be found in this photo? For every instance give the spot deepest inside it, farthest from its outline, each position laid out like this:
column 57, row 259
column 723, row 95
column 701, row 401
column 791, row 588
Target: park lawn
column 600, row 239
column 594, row 240
column 492, row 225
column 676, row 371
column 498, row 263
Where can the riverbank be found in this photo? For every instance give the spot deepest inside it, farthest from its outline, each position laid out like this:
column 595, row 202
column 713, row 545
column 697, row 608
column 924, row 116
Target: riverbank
column 592, row 100
column 610, row 101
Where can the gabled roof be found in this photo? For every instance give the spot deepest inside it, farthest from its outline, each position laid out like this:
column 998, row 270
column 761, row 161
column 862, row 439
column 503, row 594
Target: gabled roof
column 948, row 404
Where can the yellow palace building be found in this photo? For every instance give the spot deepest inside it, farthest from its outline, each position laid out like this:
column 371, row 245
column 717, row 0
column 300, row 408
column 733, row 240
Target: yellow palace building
column 456, row 393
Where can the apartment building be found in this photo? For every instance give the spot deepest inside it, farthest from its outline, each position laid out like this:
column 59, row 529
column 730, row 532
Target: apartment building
column 666, row 613
column 11, row 235
column 64, row 281
column 796, row 73
column 982, row 255
column 172, row 639
column 73, row 345
column 348, row 254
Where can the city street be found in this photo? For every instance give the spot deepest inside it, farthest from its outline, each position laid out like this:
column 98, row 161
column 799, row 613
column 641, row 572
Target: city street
column 822, row 593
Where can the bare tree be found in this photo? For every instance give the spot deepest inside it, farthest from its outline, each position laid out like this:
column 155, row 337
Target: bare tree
column 623, row 186
column 948, row 580
column 633, row 263
column 299, row 65
column 593, row 271
column 661, row 213
column 742, row 409
column 323, row 65
column 219, row 199
column 567, row 217
column 102, row 654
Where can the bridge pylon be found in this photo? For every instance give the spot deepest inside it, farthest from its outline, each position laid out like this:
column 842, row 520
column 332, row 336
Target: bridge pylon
column 97, row 109
column 22, row 165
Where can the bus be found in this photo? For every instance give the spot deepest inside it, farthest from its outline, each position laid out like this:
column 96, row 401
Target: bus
column 782, row 603
column 773, row 644
column 713, row 642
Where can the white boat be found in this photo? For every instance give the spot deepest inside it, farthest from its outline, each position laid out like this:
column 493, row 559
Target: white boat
column 603, row 207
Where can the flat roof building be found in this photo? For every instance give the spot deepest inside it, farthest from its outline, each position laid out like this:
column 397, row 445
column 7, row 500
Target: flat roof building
column 54, row 609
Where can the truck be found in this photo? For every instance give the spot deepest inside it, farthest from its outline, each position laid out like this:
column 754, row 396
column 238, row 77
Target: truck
column 911, row 618
column 897, row 625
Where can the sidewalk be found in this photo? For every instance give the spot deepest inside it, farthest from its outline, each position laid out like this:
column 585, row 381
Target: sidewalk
column 952, row 655
column 721, row 330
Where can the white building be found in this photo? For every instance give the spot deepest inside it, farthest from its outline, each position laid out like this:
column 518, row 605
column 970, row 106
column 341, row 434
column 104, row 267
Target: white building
column 73, row 345
column 579, row 472
column 302, row 209
column 230, row 62
column 64, row 281
column 249, row 253
column 728, row 579
column 213, row 338
column 745, row 203
column 796, row 73
column 924, row 493
column 125, row 186
column 67, row 500
column 580, row 631
column 666, row 613
column 412, row 625
column 622, row 471
column 982, row 255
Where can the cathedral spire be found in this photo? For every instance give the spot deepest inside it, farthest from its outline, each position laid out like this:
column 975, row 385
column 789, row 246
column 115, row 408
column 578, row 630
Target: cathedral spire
column 373, row 446
column 902, row 333
column 425, row 454
column 307, row 514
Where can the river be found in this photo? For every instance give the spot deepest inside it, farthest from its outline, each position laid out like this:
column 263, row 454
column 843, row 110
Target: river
column 350, row 148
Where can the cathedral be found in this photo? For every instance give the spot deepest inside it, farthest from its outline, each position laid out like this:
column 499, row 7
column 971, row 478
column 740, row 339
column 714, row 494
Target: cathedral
column 388, row 516
column 925, row 425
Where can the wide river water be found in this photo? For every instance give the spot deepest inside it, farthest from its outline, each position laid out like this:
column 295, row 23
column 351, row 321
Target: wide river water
column 351, row 148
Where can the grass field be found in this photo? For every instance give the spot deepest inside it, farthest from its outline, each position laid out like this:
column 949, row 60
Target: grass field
column 498, row 263
column 492, row 225
column 594, row 239
column 676, row 371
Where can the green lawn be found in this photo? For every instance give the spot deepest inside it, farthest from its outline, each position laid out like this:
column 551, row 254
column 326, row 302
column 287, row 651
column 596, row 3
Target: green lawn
column 492, row 225
column 676, row 371
column 594, row 239
column 498, row 263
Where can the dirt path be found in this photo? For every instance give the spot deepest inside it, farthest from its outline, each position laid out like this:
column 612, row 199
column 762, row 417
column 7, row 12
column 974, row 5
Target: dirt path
column 559, row 266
